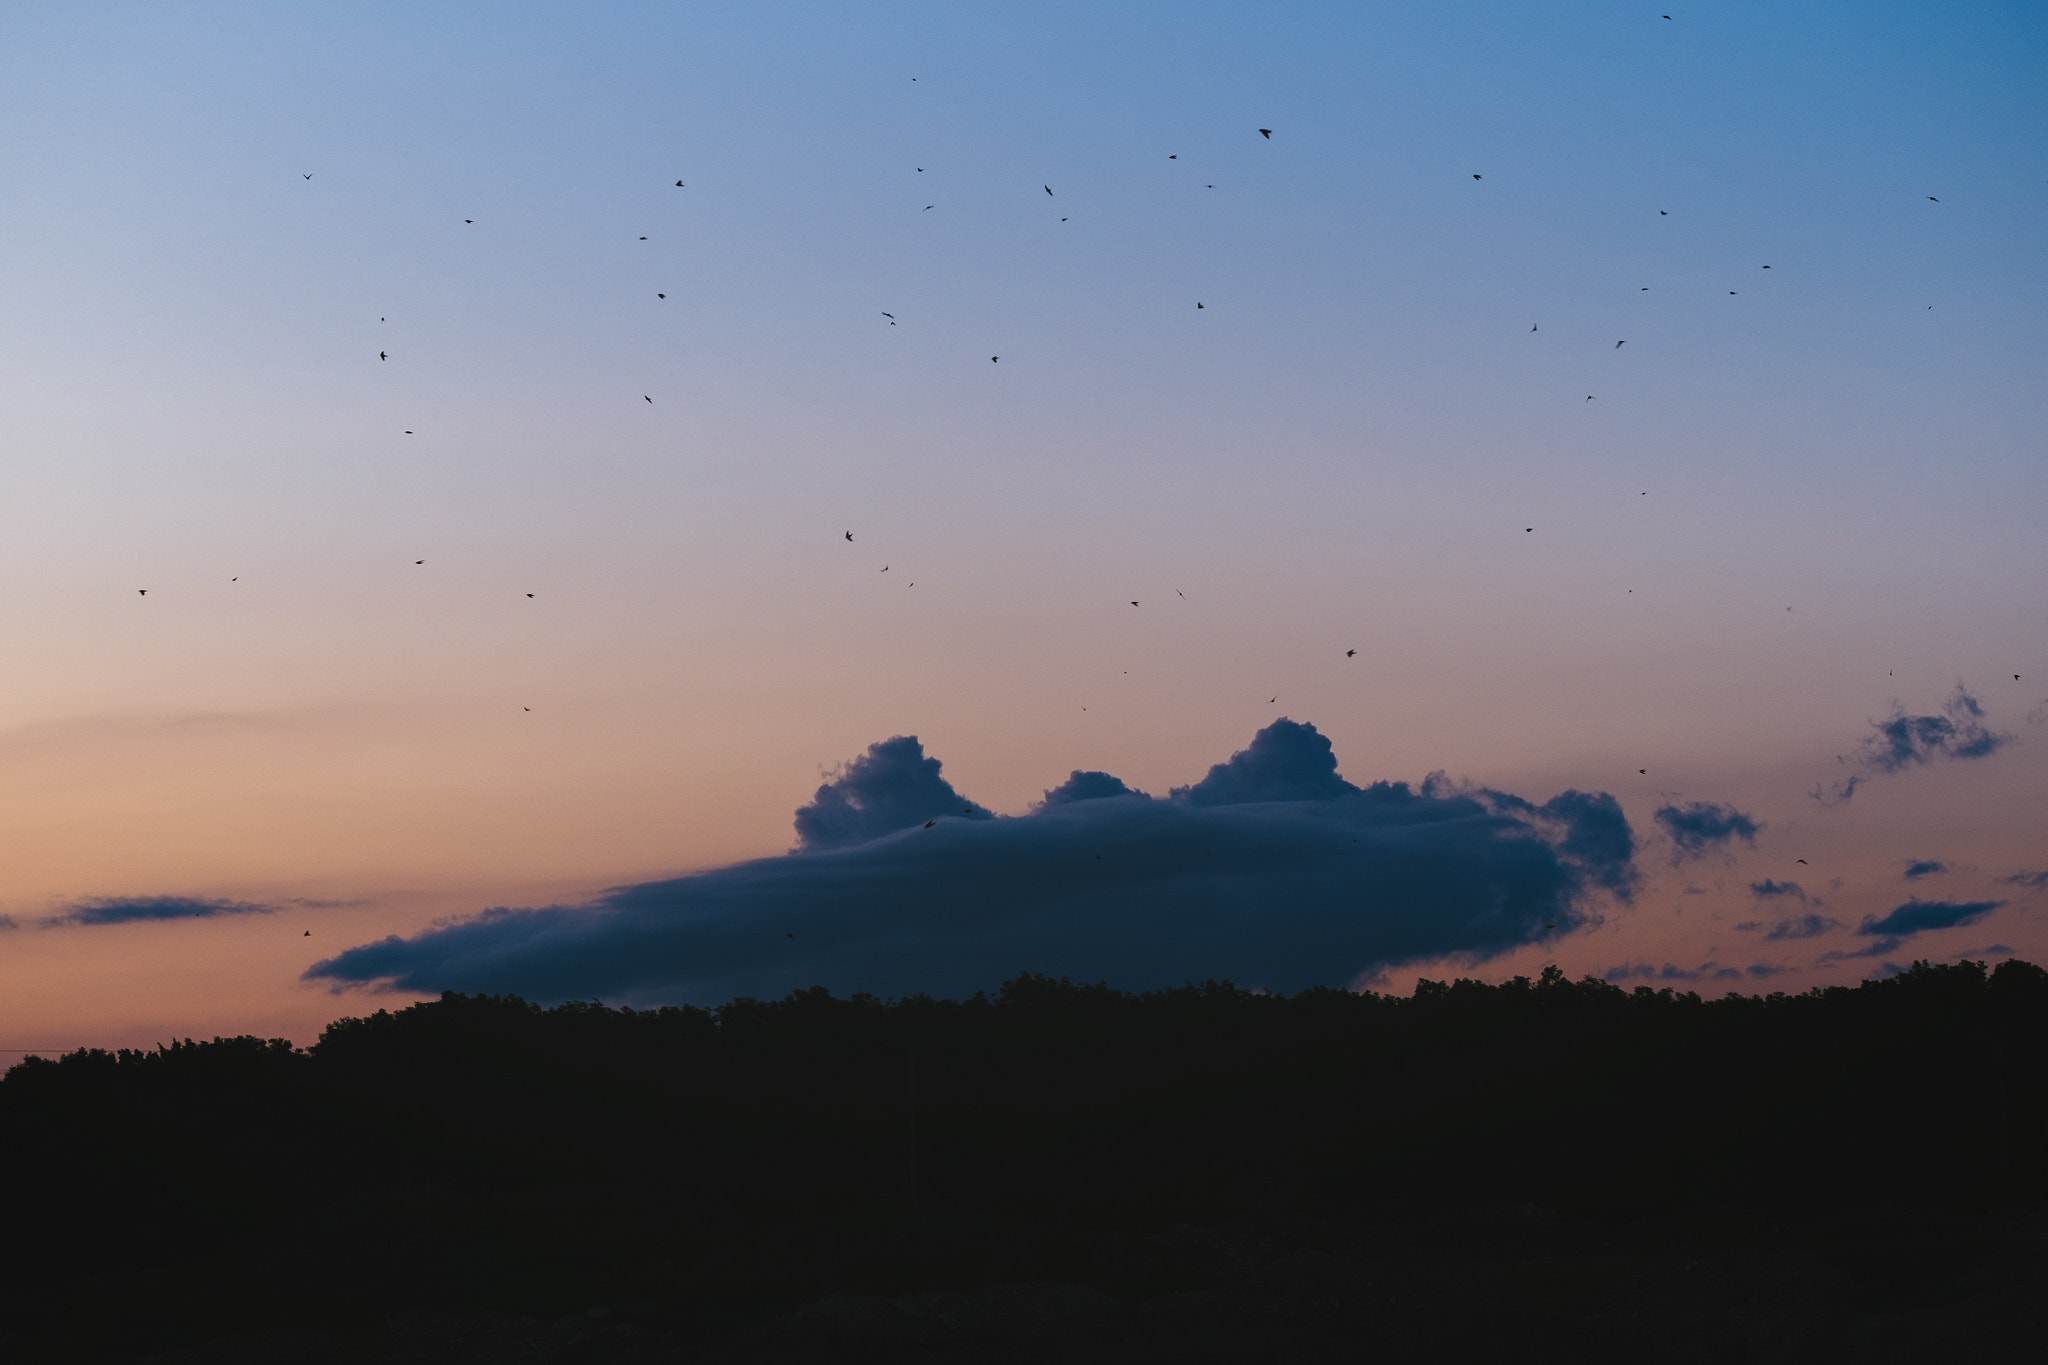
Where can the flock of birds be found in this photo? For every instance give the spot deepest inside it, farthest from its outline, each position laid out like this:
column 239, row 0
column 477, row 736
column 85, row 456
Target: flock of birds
column 1265, row 134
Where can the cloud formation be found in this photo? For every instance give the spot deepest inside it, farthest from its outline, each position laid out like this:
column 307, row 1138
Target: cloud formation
column 1768, row 889
column 1703, row 826
column 1924, row 867
column 1914, row 917
column 1671, row 971
column 1803, row 926
column 1903, row 741
column 1271, row 871
column 131, row 909
column 2032, row 881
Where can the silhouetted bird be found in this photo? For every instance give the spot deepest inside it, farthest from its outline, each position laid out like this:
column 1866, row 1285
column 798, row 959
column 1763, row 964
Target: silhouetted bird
column 309, row 932
column 1532, row 326
column 1198, row 305
column 1589, row 398
column 1271, row 700
column 1644, row 771
column 529, row 594
column 469, row 220
column 1799, row 860
column 679, row 184
column 309, row 177
column 1349, row 652
column 891, row 317
column 1479, row 177
column 382, row 356
column 1266, row 133
column 1048, row 189
column 885, row 568
column 849, row 535
column 1619, row 344
column 789, row 935
column 1528, row 528
column 661, row 296
column 929, row 823
column 143, row 592
column 643, row 239
column 1932, row 200
column 927, row 208
column 419, row 561
column 648, row 399
column 993, row 359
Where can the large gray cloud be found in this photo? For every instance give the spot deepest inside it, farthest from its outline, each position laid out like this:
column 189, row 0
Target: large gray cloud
column 1271, row 871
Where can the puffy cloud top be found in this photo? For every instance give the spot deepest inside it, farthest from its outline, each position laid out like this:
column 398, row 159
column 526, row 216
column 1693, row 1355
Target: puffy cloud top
column 1270, row 871
column 890, row 787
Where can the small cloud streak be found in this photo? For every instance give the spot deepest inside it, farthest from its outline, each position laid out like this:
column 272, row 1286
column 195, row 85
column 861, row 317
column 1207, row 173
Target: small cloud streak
column 2032, row 881
column 1767, row 889
column 149, row 909
column 1703, row 826
column 1925, row 867
column 1804, row 926
column 1914, row 917
column 1272, row 870
column 1671, row 971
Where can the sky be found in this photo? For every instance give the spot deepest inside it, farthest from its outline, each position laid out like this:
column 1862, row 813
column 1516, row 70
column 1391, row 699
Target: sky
column 414, row 503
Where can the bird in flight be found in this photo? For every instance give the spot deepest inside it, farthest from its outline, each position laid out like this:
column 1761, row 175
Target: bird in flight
column 1589, row 398
column 1048, row 189
column 1178, row 593
column 679, row 184
column 849, row 535
column 648, row 399
column 885, row 568
column 891, row 317
column 1134, row 604
column 927, row 208
column 1619, row 344
column 1644, row 771
column 1932, row 200
column 1799, row 860
column 661, row 296
column 1266, row 133
column 469, row 220
column 929, row 823
column 789, row 935
column 1349, row 652
column 643, row 239
column 419, row 561
column 1198, row 304
column 309, row 177
column 408, row 433
column 1528, row 528
column 144, row 592
column 993, row 359
column 1271, row 700
column 529, row 595
column 1532, row 326
column 1479, row 177
column 382, row 356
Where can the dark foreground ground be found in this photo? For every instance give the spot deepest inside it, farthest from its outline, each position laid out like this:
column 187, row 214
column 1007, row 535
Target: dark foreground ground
column 1539, row 1171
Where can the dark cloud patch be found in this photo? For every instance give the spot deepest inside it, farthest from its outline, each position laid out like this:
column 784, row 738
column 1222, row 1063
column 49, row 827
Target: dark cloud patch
column 1904, row 741
column 2032, row 881
column 1803, row 926
column 1761, row 970
column 1702, row 826
column 1767, row 889
column 1958, row 732
column 7, row 922
column 1749, row 926
column 1924, row 867
column 1918, row 916
column 137, row 909
column 1271, row 871
column 890, row 787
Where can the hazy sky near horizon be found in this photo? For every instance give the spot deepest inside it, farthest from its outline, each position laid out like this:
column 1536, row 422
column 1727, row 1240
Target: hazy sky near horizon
column 1796, row 503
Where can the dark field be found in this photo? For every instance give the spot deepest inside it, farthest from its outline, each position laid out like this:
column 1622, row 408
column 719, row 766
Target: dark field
column 1537, row 1171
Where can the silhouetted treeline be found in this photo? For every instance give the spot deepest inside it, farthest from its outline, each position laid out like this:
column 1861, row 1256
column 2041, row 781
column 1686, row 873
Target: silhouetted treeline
column 716, row 1167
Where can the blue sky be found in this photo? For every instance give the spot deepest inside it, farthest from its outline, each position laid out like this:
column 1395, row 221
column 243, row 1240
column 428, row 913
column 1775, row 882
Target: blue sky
column 1339, row 450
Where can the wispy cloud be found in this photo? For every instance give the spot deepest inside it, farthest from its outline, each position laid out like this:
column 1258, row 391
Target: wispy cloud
column 1700, row 827
column 1904, row 741
column 1670, row 971
column 1767, row 889
column 1803, row 926
column 136, row 909
column 1924, row 867
column 1272, row 870
column 2032, row 881
column 1916, row 916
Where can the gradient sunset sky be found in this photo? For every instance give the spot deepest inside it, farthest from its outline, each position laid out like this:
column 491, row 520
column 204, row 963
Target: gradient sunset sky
column 1774, row 566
